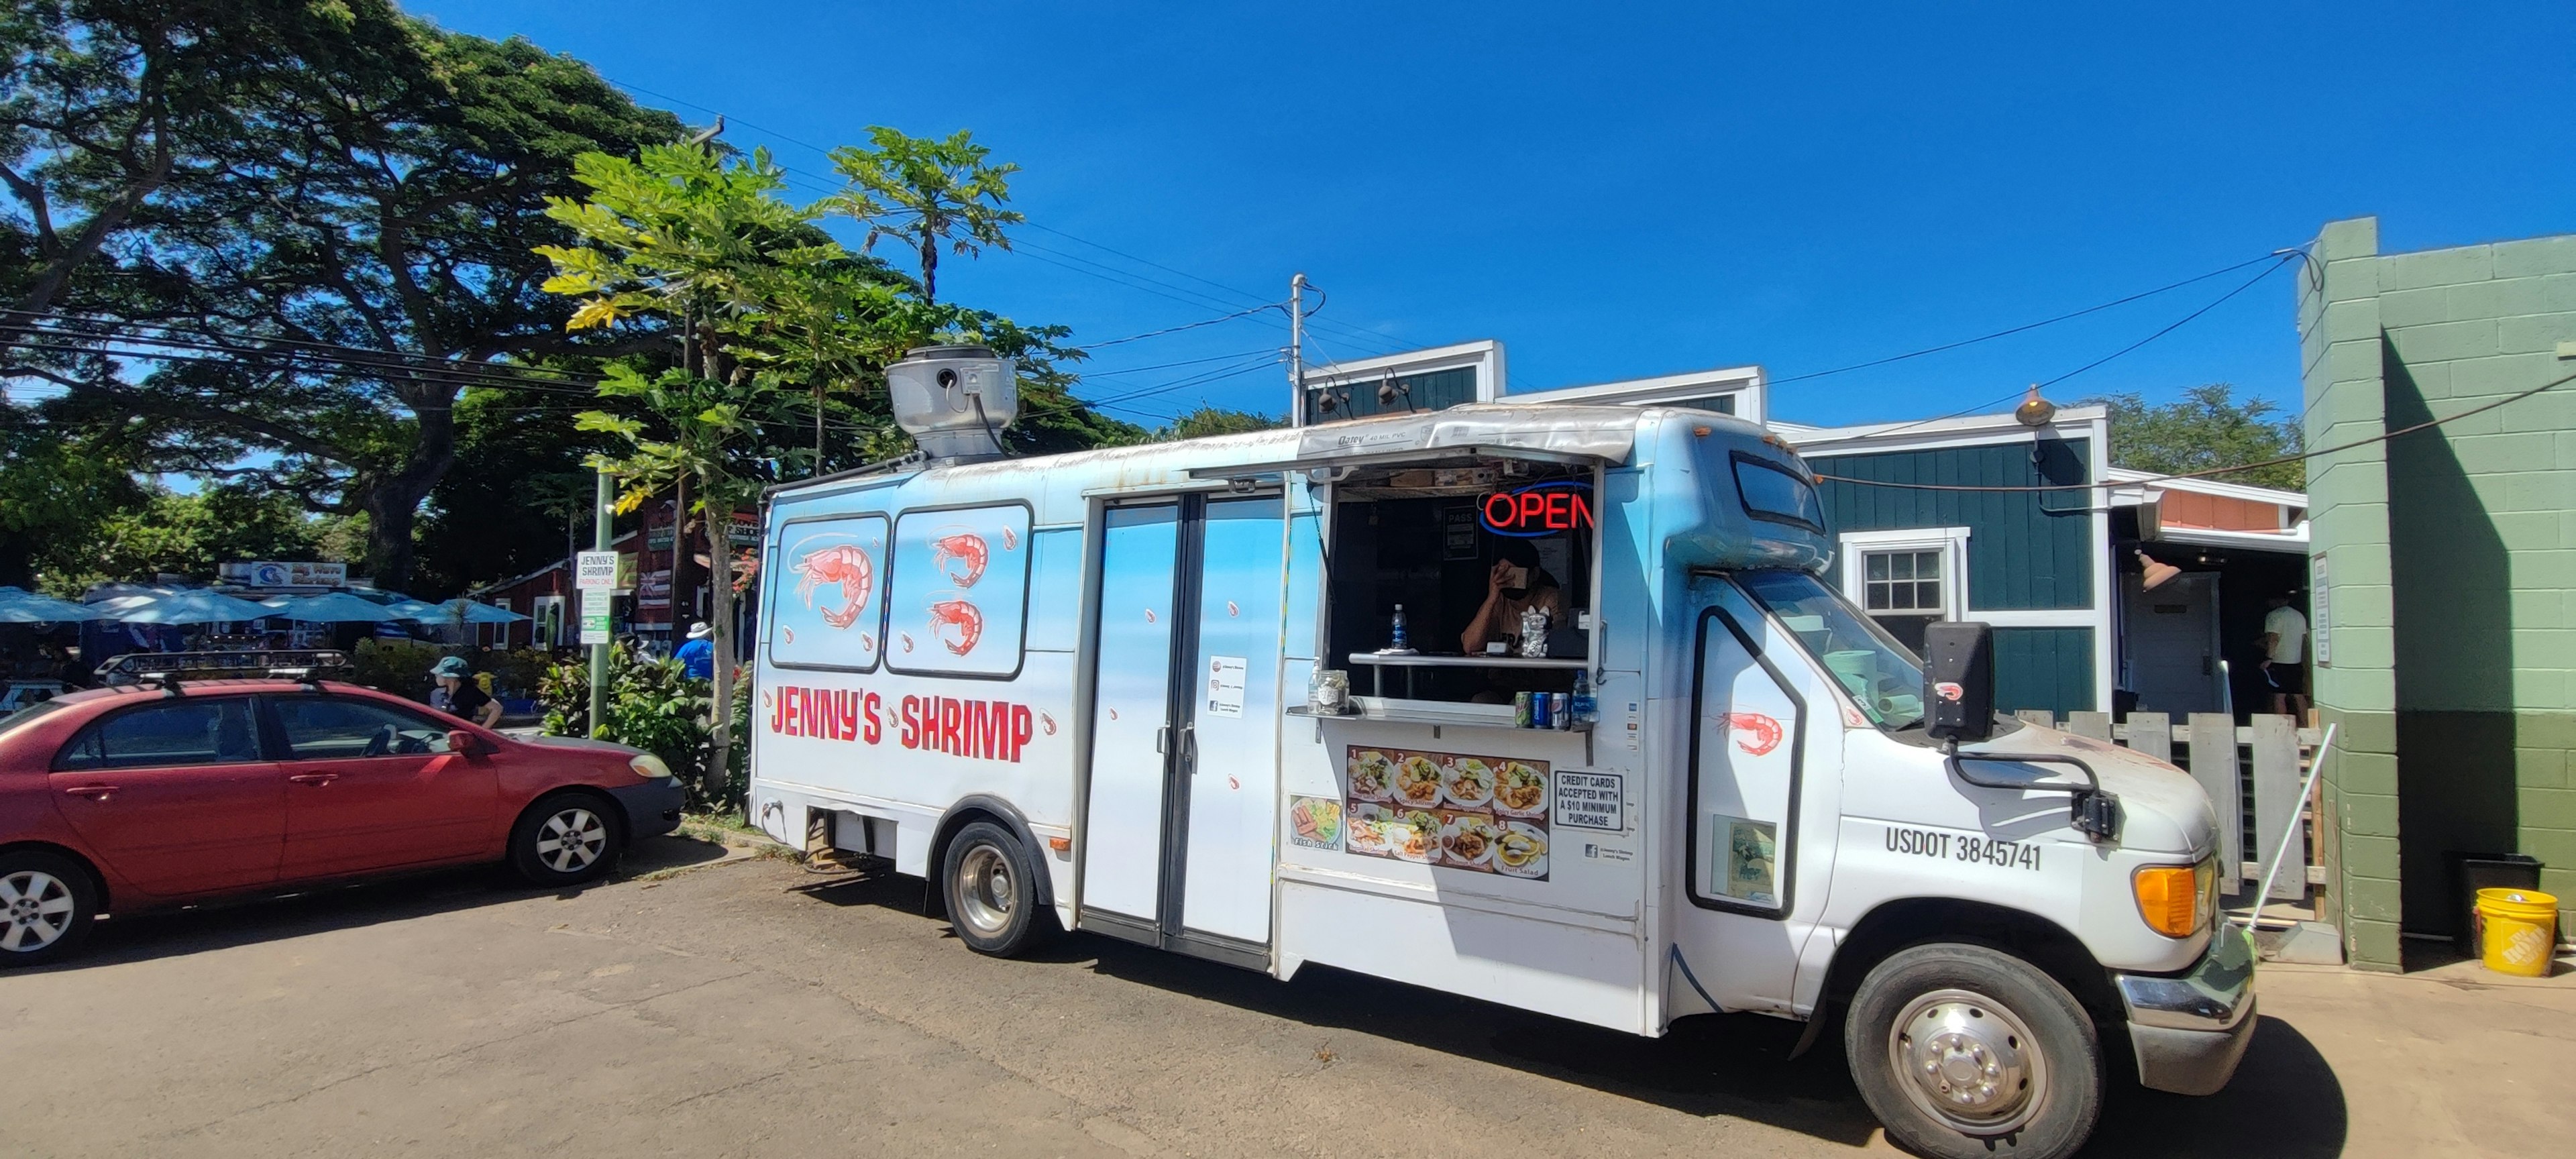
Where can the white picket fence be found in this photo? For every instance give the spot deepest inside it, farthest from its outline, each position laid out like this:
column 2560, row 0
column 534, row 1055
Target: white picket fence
column 2252, row 772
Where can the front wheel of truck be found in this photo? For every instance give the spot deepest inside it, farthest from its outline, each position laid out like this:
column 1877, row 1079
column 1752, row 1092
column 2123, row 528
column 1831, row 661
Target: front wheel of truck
column 1966, row 1052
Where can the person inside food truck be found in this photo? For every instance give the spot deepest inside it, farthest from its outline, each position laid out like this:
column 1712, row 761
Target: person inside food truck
column 1515, row 584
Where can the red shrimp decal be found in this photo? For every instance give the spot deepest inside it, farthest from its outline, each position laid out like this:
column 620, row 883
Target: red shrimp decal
column 907, row 640
column 1046, row 722
column 1232, row 610
column 844, row 566
column 1755, row 733
column 960, row 554
column 1010, row 540
column 956, row 624
column 1149, row 615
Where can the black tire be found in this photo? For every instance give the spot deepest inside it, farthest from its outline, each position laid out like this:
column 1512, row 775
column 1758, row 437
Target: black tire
column 567, row 839
column 989, row 882
column 47, row 906
column 2008, row 1063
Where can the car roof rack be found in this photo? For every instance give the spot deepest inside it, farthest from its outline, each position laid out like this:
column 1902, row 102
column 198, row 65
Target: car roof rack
column 167, row 682
column 310, row 676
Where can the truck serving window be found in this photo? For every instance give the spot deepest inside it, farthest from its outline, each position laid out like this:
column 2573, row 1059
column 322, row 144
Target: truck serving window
column 1880, row 674
column 1771, row 492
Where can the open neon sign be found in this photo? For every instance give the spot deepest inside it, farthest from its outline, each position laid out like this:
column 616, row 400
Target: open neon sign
column 1538, row 509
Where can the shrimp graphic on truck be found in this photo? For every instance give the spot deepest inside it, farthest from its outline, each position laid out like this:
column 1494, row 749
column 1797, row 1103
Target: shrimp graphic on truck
column 1089, row 712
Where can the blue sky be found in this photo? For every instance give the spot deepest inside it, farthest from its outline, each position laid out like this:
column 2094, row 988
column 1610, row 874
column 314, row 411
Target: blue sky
column 1621, row 193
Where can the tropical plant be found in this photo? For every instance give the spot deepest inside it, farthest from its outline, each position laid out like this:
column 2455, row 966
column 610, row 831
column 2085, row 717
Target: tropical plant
column 652, row 706
column 683, row 234
column 928, row 193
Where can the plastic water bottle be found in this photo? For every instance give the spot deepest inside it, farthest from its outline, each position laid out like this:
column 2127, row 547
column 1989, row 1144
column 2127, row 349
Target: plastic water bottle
column 1396, row 634
column 1587, row 710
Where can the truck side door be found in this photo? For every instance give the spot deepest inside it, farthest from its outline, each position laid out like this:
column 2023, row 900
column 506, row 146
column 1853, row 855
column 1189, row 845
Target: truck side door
column 1759, row 792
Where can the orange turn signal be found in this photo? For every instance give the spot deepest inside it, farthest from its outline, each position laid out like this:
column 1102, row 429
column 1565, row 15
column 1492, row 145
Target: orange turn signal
column 2168, row 899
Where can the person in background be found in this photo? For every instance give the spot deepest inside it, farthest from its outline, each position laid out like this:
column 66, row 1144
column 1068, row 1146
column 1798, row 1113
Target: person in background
column 1513, row 585
column 2285, row 641
column 458, row 694
column 698, row 657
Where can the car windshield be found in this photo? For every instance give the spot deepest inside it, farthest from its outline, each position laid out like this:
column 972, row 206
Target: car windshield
column 1880, row 674
column 26, row 716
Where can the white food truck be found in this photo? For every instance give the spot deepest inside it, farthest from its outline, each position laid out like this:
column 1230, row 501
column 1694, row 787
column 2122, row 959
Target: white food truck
column 1082, row 692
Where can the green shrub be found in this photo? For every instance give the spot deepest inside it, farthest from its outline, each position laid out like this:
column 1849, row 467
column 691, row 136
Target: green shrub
column 400, row 667
column 651, row 706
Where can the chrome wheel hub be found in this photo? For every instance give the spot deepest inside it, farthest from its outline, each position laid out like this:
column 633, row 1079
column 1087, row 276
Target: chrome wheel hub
column 35, row 911
column 1969, row 1062
column 985, row 890
column 571, row 839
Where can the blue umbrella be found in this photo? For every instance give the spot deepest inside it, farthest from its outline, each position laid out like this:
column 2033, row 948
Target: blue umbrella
column 196, row 607
column 332, row 608
column 463, row 611
column 20, row 606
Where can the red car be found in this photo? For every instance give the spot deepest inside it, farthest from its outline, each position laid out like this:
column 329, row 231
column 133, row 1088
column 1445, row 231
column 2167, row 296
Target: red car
column 126, row 799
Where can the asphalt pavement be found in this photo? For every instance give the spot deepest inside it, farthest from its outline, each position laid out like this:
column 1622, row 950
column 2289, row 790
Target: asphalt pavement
column 708, row 1007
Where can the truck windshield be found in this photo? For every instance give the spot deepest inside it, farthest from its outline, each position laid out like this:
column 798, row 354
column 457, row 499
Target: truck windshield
column 1880, row 674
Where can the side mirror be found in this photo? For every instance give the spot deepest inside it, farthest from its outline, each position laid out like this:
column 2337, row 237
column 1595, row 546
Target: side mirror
column 462, row 742
column 1959, row 681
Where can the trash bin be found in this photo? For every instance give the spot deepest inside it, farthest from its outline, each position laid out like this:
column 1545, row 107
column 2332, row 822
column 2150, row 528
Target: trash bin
column 2519, row 931
column 2471, row 872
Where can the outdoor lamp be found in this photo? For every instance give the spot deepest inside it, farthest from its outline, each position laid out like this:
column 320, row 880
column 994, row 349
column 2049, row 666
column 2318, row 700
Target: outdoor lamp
column 2156, row 572
column 2034, row 411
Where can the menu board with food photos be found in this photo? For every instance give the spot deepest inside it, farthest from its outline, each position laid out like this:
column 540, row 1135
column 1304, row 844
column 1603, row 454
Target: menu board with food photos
column 1474, row 813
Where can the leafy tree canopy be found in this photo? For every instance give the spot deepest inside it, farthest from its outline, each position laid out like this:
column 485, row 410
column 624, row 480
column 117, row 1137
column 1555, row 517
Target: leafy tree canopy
column 2207, row 427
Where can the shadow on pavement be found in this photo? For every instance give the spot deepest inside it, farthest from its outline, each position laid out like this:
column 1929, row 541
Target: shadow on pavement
column 2285, row 1101
column 259, row 918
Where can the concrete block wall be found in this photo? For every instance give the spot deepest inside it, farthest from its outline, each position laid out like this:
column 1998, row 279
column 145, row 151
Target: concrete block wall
column 2452, row 567
column 2340, row 351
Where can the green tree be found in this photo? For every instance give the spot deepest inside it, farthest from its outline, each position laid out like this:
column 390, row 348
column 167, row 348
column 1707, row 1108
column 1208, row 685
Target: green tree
column 184, row 534
column 928, row 193
column 56, row 488
column 352, row 176
column 1210, row 420
column 681, row 234
column 2207, row 427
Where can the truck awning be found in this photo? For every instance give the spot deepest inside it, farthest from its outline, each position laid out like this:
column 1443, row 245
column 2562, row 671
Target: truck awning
column 1550, row 433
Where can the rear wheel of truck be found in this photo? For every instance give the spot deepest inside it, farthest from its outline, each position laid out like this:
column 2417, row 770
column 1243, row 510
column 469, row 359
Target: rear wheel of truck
column 990, row 881
column 1966, row 1052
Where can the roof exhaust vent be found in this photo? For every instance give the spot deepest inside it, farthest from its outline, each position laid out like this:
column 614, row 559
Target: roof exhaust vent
column 955, row 401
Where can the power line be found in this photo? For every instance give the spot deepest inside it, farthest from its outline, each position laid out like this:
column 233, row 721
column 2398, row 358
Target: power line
column 2168, row 329
column 2206, row 472
column 1183, row 326
column 2027, row 326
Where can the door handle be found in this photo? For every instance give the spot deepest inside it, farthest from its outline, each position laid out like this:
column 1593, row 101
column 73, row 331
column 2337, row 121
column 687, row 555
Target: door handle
column 1190, row 748
column 93, row 792
column 1162, row 740
column 314, row 778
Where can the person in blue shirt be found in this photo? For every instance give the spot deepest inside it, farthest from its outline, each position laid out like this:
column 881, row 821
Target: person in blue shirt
column 698, row 657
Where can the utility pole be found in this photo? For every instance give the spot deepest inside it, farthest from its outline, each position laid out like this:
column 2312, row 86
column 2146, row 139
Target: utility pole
column 605, row 509
column 1297, row 350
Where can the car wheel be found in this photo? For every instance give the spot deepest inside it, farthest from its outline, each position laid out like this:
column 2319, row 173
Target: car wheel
column 1965, row 1052
column 566, row 839
column 990, row 884
column 46, row 907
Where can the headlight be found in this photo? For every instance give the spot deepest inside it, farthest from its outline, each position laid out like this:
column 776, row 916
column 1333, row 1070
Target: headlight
column 2177, row 900
column 649, row 767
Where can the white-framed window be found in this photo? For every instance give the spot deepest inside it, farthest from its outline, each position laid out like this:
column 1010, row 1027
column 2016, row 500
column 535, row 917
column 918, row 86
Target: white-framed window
column 1907, row 578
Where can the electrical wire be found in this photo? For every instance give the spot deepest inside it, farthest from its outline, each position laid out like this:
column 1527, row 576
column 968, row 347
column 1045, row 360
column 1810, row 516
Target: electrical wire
column 1181, row 327
column 2207, row 472
column 2168, row 329
column 2028, row 326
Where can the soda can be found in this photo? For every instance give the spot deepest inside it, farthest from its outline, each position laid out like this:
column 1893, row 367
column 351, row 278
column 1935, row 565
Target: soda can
column 1538, row 711
column 1520, row 710
column 1560, row 711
